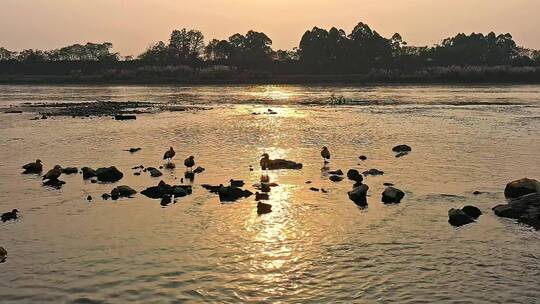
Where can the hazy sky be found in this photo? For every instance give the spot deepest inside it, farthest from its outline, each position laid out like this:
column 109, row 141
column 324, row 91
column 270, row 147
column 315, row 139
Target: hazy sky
column 132, row 25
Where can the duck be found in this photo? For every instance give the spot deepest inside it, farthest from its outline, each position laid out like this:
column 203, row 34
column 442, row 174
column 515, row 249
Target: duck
column 189, row 162
column 325, row 153
column 278, row 164
column 10, row 216
column 169, row 155
column 53, row 174
column 33, row 168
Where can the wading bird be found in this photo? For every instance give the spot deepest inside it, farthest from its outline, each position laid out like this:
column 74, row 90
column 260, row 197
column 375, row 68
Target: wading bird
column 33, row 168
column 325, row 153
column 169, row 155
column 189, row 163
column 53, row 174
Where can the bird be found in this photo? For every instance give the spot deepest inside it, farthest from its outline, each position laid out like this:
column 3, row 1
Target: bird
column 169, row 155
column 189, row 162
column 3, row 254
column 33, row 168
column 54, row 173
column 10, row 216
column 265, row 161
column 325, row 153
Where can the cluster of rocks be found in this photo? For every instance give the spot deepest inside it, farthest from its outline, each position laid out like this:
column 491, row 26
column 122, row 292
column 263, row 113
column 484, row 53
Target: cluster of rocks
column 523, row 204
column 463, row 216
column 167, row 193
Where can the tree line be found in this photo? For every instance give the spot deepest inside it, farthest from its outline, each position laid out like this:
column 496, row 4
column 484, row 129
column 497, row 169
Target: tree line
column 319, row 51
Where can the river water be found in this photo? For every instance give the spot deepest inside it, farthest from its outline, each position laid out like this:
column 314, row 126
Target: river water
column 314, row 247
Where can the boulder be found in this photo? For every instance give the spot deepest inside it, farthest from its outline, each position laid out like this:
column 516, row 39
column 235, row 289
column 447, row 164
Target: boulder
column 335, row 178
column 154, row 172
column 457, row 218
column 355, row 175
column 521, row 187
column 109, row 175
column 166, row 200
column 263, row 208
column 88, row 173
column 525, row 209
column 163, row 188
column 358, row 195
column 392, row 195
column 472, row 211
column 402, row 148
column 237, row 183
column 337, row 172
column 373, row 172
column 70, row 170
column 123, row 191
column 231, row 194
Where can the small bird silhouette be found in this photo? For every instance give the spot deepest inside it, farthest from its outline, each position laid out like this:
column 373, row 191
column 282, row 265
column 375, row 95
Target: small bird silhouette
column 33, row 168
column 53, row 174
column 169, row 155
column 10, row 216
column 189, row 163
column 325, row 153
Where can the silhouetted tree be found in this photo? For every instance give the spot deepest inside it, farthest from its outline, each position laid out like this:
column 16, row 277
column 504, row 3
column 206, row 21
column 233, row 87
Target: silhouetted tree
column 156, row 53
column 186, row 46
column 6, row 54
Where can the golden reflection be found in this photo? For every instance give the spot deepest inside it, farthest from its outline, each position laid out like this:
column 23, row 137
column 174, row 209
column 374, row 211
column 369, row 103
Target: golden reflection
column 274, row 93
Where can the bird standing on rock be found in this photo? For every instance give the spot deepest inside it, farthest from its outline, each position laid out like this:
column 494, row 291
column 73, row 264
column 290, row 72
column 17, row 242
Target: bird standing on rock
column 10, row 216
column 33, row 168
column 169, row 155
column 325, row 153
column 53, row 174
column 189, row 163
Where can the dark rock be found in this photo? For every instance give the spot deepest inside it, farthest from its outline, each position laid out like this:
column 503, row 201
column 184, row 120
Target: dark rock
column 362, row 157
column 314, row 189
column 521, row 187
column 388, row 184
column 211, row 188
column 402, row 148
column 161, row 167
column 109, row 175
column 373, row 172
column 478, row 192
column 138, row 167
column 335, row 178
column 181, row 191
column 89, row 198
column 154, row 172
column 392, row 195
column 93, row 181
column 337, row 172
column 472, row 211
column 137, row 173
column 263, row 208
column 170, row 166
column 324, row 190
column 358, row 195
column 133, row 150
column 13, row 112
column 265, row 187
column 261, row 196
column 3, row 254
column 308, row 182
column 189, row 176
column 124, row 117
column 166, row 200
column 525, row 209
column 231, row 194
column 70, row 170
column 88, row 173
column 199, row 170
column 237, row 183
column 355, row 175
column 105, row 196
column 401, row 154
column 163, row 188
column 9, row 216
column 457, row 218
column 123, row 191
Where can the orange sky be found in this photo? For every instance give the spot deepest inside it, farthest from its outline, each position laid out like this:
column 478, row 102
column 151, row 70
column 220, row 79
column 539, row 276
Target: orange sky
column 132, row 25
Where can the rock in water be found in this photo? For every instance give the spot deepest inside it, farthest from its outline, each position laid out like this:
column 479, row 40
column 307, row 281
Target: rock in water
column 237, row 183
column 525, row 209
column 70, row 170
column 166, row 200
column 123, row 191
column 263, row 208
column 89, row 198
column 335, row 178
column 358, row 195
column 314, row 189
column 124, row 117
column 362, row 157
column 373, row 172
column 154, row 172
column 355, row 175
column 199, row 170
column 163, row 189
column 109, row 175
column 231, row 194
column 88, row 173
column 3, row 254
column 337, row 172
column 472, row 211
column 392, row 195
column 457, row 218
column 401, row 154
column 521, row 187
column 402, row 148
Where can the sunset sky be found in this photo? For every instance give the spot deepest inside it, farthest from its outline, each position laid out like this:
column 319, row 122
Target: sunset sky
column 132, row 25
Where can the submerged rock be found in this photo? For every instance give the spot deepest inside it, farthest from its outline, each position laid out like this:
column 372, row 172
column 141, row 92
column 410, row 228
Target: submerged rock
column 457, row 218
column 362, row 157
column 237, row 183
column 401, row 154
column 212, row 188
column 525, row 209
column 124, row 117
column 105, row 196
column 123, row 191
column 133, row 150
column 263, row 208
column 166, row 200
column 337, row 172
column 335, row 178
column 232, row 194
column 89, row 198
column 154, row 172
column 163, row 188
column 88, row 173
column 472, row 211
column 402, row 148
column 521, row 187
column 199, row 170
column 392, row 195
column 373, row 172
column 358, row 195
column 109, row 175
column 355, row 175
column 314, row 189
column 70, row 170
